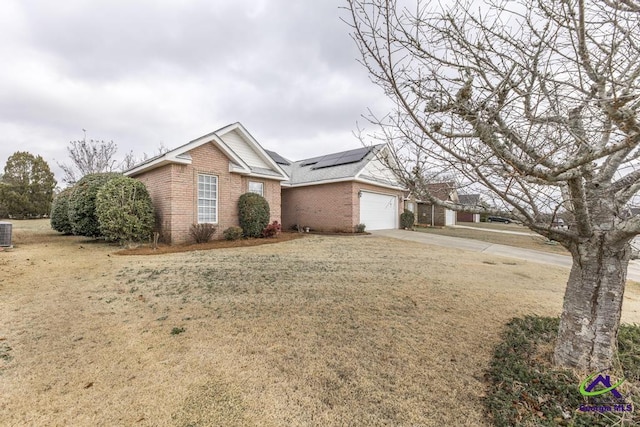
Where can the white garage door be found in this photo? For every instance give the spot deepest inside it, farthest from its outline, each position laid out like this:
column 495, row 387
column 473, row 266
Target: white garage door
column 378, row 211
column 449, row 217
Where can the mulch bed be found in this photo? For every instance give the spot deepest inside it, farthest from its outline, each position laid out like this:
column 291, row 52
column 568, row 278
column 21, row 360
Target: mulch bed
column 214, row 244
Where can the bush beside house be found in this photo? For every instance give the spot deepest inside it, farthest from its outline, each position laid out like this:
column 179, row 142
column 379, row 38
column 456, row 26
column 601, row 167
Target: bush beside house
column 407, row 219
column 232, row 233
column 60, row 212
column 82, row 204
column 272, row 230
column 124, row 210
column 253, row 214
column 202, row 233
column 105, row 205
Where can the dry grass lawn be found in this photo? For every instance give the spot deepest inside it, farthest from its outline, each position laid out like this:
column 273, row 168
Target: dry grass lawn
column 318, row 331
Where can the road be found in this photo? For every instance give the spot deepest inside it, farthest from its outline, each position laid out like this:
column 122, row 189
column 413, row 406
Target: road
column 633, row 272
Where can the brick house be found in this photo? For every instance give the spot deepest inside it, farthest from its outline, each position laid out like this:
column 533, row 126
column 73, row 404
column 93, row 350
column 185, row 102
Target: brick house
column 338, row 191
column 201, row 181
column 468, row 200
column 438, row 216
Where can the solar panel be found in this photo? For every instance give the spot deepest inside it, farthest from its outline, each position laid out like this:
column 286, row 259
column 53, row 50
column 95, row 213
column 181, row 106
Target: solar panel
column 343, row 158
column 337, row 159
column 351, row 158
column 278, row 158
column 324, row 164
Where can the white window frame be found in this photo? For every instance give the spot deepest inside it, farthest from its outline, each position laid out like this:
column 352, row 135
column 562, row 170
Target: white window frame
column 411, row 206
column 261, row 192
column 207, row 199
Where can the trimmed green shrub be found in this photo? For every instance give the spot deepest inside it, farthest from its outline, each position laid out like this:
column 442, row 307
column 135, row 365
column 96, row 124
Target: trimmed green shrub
column 60, row 212
column 202, row 233
column 360, row 228
column 232, row 233
column 124, row 210
column 253, row 213
column 82, row 204
column 407, row 219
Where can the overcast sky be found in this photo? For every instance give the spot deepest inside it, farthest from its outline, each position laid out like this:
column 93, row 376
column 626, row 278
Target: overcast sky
column 149, row 72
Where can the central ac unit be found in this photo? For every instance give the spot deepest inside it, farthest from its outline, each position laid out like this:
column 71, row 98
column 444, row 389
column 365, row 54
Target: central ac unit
column 5, row 234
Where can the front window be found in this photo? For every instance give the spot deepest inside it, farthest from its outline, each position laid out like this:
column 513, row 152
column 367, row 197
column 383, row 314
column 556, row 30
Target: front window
column 256, row 187
column 207, row 199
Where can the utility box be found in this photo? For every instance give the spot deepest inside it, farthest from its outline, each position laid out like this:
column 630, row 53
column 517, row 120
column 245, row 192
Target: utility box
column 5, row 234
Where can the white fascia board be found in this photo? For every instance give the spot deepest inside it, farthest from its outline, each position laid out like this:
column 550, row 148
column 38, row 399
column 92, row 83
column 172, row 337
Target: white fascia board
column 256, row 146
column 161, row 161
column 214, row 138
column 236, row 169
column 179, row 155
column 380, row 184
column 376, row 156
column 275, row 178
column 331, row 181
column 326, row 181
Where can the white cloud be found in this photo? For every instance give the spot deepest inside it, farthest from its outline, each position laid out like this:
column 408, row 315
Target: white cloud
column 147, row 72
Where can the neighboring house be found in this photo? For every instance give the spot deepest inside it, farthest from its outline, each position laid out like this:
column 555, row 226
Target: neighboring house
column 468, row 200
column 438, row 216
column 201, row 182
column 338, row 191
column 634, row 211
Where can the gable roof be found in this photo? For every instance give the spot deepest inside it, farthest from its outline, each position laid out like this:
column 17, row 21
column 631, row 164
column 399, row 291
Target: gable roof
column 445, row 191
column 361, row 164
column 469, row 199
column 246, row 156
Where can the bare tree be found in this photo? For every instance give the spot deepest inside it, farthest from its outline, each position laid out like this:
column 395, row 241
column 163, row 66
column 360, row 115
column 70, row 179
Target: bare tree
column 537, row 102
column 130, row 159
column 88, row 157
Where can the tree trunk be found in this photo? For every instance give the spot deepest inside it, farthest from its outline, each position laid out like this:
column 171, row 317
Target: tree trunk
column 587, row 337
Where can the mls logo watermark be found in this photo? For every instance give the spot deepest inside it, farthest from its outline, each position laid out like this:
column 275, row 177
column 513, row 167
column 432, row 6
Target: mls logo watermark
column 603, row 394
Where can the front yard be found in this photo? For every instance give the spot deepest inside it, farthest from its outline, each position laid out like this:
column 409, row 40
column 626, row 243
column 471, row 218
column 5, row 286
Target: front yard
column 319, row 331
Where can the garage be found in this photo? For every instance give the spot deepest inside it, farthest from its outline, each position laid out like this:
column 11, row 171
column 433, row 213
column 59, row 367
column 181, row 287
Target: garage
column 378, row 211
column 449, row 217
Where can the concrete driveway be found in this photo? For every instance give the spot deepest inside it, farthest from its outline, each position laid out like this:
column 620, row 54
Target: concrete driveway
column 493, row 230
column 633, row 272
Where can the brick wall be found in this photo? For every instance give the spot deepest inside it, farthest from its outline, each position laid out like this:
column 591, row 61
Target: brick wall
column 158, row 183
column 465, row 217
column 425, row 212
column 327, row 207
column 173, row 189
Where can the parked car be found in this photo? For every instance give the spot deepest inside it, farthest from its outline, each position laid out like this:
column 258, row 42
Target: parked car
column 635, row 247
column 499, row 219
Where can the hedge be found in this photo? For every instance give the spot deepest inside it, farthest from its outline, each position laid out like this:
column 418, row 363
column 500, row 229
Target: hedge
column 124, row 210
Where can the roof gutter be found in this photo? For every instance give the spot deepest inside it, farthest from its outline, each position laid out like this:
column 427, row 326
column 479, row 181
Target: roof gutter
column 347, row 179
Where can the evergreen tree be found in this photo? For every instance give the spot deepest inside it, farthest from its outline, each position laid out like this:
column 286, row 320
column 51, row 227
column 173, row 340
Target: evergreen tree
column 27, row 186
